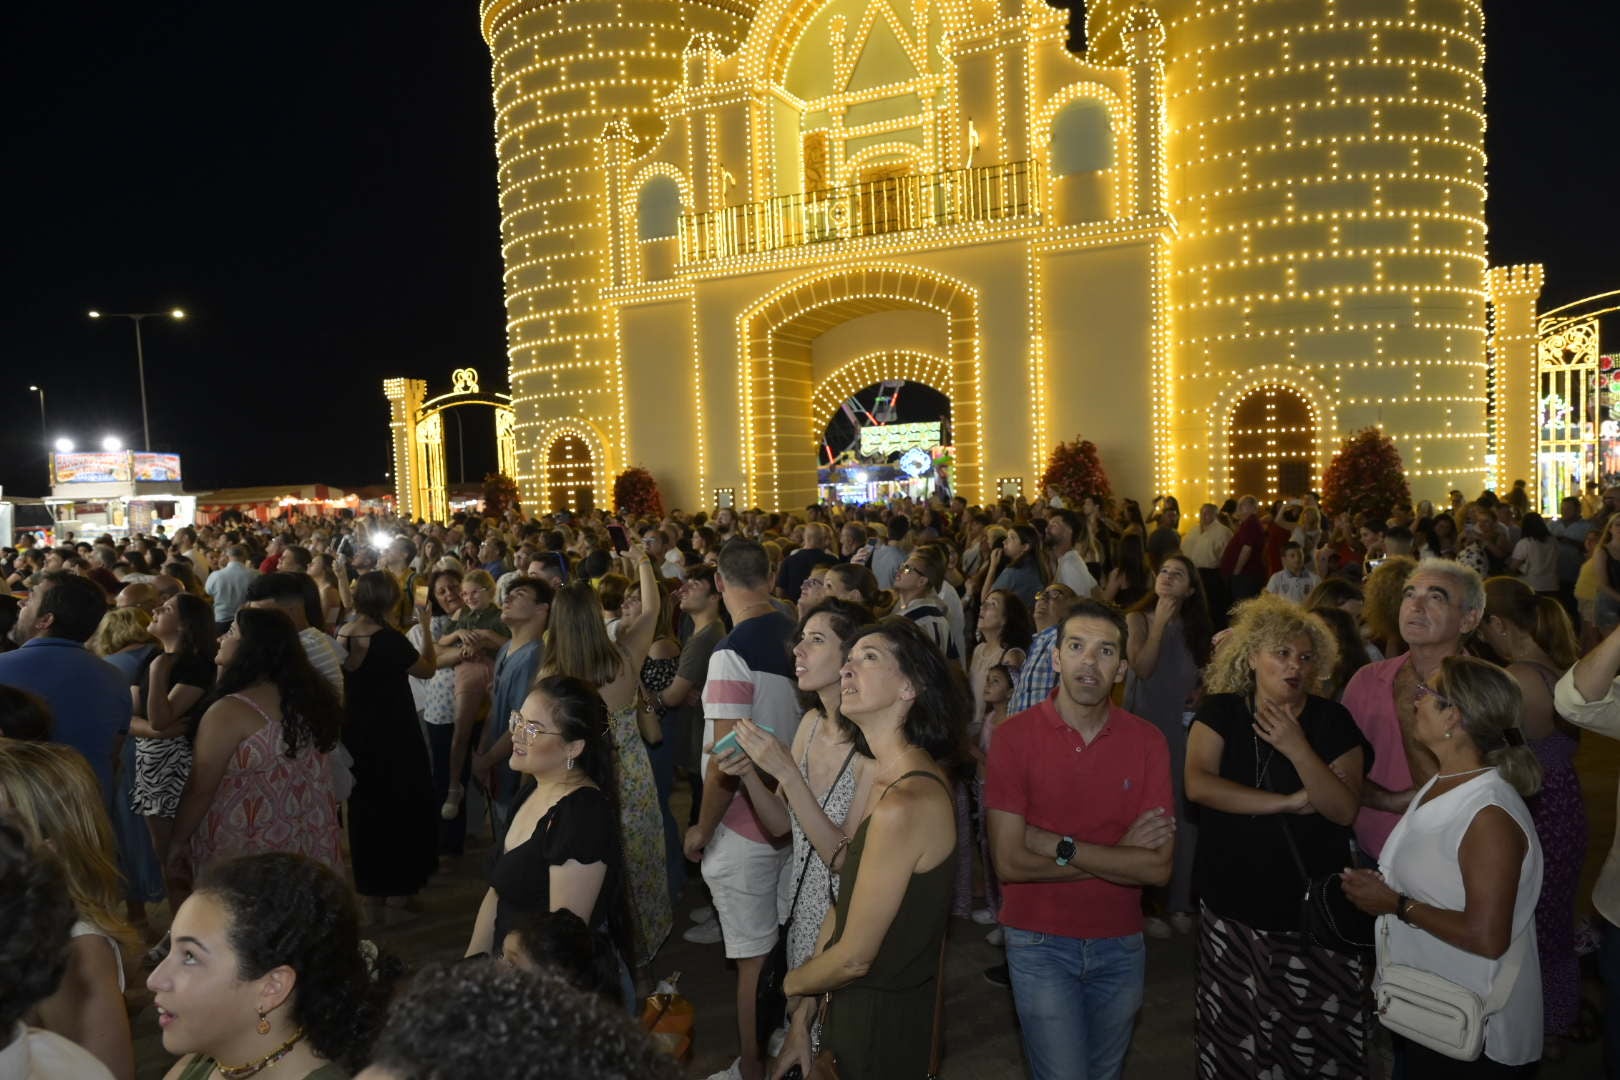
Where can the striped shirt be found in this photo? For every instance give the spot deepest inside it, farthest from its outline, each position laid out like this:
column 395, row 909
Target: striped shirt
column 751, row 678
column 326, row 655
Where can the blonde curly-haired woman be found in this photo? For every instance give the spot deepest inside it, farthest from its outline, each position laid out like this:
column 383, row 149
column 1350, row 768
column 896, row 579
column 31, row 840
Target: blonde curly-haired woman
column 1272, row 764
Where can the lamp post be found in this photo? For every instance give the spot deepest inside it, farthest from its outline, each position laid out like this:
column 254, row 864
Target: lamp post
column 44, row 436
column 140, row 356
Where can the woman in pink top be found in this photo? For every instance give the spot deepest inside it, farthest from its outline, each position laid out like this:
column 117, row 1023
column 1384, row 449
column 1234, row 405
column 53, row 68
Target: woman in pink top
column 260, row 779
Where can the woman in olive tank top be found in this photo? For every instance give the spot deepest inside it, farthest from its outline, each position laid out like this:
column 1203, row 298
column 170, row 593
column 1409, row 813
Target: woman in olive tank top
column 882, row 939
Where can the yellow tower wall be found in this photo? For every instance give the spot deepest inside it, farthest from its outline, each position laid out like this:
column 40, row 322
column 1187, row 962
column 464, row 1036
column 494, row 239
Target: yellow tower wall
column 563, row 72
column 1327, row 175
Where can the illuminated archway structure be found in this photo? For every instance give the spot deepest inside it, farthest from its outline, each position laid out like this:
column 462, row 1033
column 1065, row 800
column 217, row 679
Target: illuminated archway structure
column 1125, row 244
column 416, row 426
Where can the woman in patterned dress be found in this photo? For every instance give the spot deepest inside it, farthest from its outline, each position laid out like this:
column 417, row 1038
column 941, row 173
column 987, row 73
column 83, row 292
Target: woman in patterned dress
column 168, row 704
column 825, row 779
column 657, row 672
column 1533, row 637
column 260, row 781
column 578, row 646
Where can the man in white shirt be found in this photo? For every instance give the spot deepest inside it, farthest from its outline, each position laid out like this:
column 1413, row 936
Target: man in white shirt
column 1293, row 581
column 229, row 584
column 1204, row 544
column 1062, row 527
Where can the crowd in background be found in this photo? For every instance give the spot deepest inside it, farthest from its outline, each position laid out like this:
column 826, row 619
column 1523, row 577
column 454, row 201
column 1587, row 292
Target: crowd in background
column 830, row 732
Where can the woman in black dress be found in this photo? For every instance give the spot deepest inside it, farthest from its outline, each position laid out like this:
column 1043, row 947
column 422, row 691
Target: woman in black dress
column 393, row 818
column 563, row 848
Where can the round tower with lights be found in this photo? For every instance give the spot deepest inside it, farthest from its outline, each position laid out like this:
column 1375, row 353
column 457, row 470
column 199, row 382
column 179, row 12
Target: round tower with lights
column 576, row 81
column 1326, row 163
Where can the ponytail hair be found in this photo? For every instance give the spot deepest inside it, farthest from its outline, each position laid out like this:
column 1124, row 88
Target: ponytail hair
column 1542, row 617
column 1490, row 702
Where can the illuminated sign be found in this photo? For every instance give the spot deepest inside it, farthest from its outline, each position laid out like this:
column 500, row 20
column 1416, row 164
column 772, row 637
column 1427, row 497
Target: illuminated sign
column 881, row 440
column 91, row 467
column 915, row 462
column 157, row 468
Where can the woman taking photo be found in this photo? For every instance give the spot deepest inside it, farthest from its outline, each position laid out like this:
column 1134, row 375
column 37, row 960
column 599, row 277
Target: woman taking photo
column 167, row 706
column 393, row 826
column 331, row 577
column 1459, row 878
column 267, row 974
column 562, row 849
column 1533, row 637
column 578, row 647
column 1167, row 648
column 50, row 794
column 889, row 922
column 260, row 780
column 822, row 782
column 1275, row 769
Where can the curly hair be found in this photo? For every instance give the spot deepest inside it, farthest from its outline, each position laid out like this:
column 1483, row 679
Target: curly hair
column 489, row 1020
column 1269, row 621
column 38, row 915
column 269, row 651
column 286, row 909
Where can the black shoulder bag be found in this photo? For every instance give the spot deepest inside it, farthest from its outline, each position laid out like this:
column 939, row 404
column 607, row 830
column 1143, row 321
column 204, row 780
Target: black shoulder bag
column 770, row 1001
column 1326, row 917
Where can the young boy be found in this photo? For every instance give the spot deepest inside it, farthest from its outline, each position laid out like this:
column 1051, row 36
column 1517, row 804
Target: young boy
column 1293, row 581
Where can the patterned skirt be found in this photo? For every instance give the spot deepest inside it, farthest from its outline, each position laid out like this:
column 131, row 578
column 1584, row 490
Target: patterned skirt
column 1271, row 1006
column 162, row 767
column 642, row 832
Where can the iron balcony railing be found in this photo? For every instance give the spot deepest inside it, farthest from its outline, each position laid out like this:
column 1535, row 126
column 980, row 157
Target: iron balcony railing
column 873, row 208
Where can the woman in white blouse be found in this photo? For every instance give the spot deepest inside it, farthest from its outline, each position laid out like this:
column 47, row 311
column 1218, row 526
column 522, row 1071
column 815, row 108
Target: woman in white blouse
column 1459, row 878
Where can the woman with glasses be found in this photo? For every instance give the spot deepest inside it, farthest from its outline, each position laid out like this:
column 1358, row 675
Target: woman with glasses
column 563, row 848
column 1459, row 877
column 393, row 820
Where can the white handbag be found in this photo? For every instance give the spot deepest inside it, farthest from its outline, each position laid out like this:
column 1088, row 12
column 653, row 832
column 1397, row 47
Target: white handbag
column 1435, row 1012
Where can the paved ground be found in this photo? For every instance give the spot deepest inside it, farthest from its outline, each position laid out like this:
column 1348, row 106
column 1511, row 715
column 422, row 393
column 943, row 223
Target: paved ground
column 981, row 1039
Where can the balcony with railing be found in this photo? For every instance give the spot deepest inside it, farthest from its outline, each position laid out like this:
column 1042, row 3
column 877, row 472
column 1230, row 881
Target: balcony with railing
column 986, row 194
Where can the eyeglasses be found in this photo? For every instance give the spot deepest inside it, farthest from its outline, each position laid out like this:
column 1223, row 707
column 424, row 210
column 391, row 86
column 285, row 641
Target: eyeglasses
column 909, row 569
column 531, row 728
column 1424, row 690
column 1049, row 595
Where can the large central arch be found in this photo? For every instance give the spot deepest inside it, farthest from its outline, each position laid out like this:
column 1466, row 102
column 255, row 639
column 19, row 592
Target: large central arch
column 780, row 413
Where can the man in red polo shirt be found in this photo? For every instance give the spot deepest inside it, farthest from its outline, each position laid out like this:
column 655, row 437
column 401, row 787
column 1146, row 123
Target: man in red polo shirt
column 1078, row 793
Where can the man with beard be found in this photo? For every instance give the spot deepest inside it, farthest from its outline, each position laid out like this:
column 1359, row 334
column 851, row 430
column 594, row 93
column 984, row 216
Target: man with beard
column 1079, row 802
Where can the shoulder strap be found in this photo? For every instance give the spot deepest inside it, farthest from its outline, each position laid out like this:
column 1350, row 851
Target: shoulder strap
column 254, row 705
column 916, row 772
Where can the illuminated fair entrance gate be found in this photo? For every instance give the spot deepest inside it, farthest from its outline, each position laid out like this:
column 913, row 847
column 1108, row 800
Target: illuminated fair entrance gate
column 417, row 433
column 1271, row 444
column 1572, row 432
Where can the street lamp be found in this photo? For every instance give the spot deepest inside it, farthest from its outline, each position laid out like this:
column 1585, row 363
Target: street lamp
column 64, row 446
column 40, row 390
column 140, row 356
column 111, row 443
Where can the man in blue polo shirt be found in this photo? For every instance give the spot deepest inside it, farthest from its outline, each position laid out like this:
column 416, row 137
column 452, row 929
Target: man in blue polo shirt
column 89, row 699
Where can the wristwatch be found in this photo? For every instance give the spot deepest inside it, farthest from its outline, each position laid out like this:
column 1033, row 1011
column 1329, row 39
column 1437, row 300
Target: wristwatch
column 1402, row 903
column 1065, row 850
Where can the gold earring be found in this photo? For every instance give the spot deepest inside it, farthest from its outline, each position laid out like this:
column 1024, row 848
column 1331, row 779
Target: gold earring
column 263, row 1026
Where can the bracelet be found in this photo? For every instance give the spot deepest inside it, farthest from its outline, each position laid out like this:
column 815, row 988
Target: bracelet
column 843, row 842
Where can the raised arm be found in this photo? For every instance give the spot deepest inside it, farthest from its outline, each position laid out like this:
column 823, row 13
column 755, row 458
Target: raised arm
column 427, row 660
column 1592, row 679
column 636, row 634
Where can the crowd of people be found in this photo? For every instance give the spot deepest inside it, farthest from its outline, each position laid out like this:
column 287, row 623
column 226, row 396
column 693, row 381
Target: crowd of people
column 1336, row 750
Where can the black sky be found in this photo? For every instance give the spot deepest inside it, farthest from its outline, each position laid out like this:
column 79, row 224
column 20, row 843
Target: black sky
column 314, row 183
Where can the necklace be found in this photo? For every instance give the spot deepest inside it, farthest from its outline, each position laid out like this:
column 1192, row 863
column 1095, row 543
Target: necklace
column 236, row 1072
column 1465, row 772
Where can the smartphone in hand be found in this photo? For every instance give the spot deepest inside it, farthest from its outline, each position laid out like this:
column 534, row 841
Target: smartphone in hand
column 729, row 743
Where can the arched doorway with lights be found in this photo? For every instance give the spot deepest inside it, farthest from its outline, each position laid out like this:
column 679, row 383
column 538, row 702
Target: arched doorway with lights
column 884, row 415
column 1271, row 443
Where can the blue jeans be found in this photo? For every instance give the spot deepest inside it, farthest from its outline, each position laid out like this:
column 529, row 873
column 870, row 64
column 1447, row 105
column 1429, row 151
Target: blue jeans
column 1077, row 1000
column 662, row 759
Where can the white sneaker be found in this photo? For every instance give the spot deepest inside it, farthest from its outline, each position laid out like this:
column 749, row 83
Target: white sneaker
column 702, row 914
column 1156, row 928
column 995, row 937
column 773, row 1045
column 984, row 916
column 704, row 933
column 730, row 1072
column 1183, row 922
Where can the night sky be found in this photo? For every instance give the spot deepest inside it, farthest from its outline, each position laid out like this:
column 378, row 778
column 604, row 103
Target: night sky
column 315, row 184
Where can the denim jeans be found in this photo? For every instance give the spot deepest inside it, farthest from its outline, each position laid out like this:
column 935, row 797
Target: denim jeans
column 1077, row 1000
column 662, row 759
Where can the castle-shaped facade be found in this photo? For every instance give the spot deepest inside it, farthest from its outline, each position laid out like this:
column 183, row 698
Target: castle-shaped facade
column 1226, row 235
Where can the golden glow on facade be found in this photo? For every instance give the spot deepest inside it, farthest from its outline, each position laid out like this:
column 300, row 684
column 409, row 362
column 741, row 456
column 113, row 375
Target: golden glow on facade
column 717, row 215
